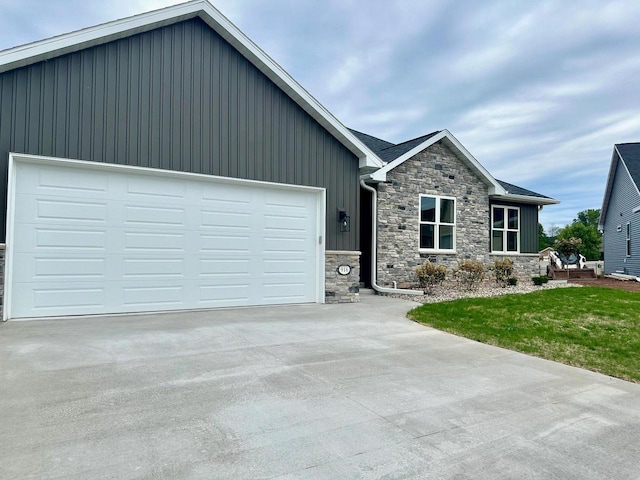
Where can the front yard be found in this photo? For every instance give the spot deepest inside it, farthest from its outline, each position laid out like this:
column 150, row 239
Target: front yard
column 590, row 327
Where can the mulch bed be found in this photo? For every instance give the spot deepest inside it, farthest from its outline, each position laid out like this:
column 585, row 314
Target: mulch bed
column 629, row 285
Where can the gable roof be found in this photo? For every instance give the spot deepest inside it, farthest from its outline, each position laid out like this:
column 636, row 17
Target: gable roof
column 88, row 37
column 629, row 155
column 396, row 154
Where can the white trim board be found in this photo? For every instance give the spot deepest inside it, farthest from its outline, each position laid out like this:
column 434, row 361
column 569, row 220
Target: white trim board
column 72, row 42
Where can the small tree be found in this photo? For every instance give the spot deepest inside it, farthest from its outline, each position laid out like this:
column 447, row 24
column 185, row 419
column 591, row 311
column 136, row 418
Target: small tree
column 469, row 274
column 568, row 246
column 430, row 276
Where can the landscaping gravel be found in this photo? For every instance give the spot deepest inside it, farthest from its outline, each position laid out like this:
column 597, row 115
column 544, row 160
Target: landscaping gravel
column 451, row 291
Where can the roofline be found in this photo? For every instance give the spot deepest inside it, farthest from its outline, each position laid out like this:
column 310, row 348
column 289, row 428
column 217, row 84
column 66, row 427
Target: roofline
column 616, row 158
column 526, row 199
column 494, row 187
column 28, row 54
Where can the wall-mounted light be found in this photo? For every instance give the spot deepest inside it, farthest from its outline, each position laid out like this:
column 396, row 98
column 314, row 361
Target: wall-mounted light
column 344, row 220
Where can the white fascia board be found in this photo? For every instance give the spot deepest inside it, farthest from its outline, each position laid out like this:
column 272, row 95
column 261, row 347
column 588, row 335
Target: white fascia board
column 636, row 210
column 494, row 187
column 525, row 199
column 88, row 37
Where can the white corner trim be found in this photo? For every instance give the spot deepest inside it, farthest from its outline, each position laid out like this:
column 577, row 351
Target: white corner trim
column 87, row 37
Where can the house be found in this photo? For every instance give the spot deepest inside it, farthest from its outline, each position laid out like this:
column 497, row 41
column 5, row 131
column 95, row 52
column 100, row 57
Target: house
column 544, row 254
column 165, row 162
column 620, row 213
column 435, row 201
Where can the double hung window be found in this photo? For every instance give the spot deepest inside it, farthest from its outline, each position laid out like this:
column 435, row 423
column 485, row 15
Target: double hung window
column 505, row 229
column 437, row 223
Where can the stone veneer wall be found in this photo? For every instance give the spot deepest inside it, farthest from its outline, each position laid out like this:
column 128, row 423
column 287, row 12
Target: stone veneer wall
column 525, row 265
column 342, row 288
column 435, row 171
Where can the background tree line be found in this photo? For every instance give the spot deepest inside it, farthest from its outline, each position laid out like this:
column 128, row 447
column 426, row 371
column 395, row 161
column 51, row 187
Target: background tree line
column 585, row 227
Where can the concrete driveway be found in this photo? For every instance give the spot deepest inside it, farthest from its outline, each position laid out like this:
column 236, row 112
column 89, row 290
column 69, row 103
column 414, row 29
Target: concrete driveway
column 301, row 392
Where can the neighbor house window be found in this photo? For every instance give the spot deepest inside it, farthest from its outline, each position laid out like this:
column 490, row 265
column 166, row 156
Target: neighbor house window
column 505, row 229
column 628, row 239
column 437, row 223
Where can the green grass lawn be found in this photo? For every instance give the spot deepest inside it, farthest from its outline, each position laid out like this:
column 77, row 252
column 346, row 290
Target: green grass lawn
column 589, row 327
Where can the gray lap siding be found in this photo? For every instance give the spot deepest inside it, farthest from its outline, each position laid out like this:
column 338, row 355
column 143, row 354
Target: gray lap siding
column 624, row 198
column 178, row 98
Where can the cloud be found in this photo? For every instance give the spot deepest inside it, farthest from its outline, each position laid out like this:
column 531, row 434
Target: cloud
column 538, row 91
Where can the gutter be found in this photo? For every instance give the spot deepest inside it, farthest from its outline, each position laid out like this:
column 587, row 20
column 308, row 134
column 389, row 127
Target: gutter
column 374, row 249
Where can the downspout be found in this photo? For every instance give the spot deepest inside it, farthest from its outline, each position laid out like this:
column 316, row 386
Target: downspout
column 374, row 249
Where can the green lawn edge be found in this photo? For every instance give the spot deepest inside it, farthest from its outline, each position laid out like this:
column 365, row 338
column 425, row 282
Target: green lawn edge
column 588, row 327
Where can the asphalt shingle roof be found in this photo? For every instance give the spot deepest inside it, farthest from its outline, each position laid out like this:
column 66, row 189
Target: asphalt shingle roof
column 630, row 153
column 388, row 151
column 516, row 190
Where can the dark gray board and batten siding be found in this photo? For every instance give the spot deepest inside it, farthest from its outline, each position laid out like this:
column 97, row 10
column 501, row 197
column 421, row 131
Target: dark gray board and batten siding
column 177, row 98
column 624, row 198
column 528, row 225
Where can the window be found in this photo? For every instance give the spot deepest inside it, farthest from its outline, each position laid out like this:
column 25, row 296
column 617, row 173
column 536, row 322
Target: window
column 437, row 223
column 505, row 229
column 628, row 239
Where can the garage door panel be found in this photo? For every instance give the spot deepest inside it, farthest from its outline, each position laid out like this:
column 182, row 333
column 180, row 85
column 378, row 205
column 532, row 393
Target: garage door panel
column 164, row 190
column 54, row 298
column 57, row 268
column 153, row 297
column 153, row 267
column 227, row 243
column 59, row 239
column 59, row 211
column 212, row 296
column 152, row 243
column 51, row 180
column 155, row 216
column 128, row 243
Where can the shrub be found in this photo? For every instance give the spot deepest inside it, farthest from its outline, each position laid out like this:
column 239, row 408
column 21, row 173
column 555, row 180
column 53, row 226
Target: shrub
column 469, row 274
column 512, row 281
column 503, row 271
column 540, row 280
column 430, row 275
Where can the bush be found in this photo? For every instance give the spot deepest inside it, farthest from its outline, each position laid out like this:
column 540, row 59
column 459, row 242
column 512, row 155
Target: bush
column 430, row 275
column 512, row 281
column 469, row 274
column 503, row 271
column 540, row 280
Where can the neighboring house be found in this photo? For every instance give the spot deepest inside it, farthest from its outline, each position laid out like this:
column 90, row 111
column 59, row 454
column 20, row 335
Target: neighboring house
column 437, row 202
column 544, row 254
column 165, row 162
column 620, row 214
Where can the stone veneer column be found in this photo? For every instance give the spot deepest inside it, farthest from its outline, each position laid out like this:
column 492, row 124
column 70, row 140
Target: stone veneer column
column 342, row 288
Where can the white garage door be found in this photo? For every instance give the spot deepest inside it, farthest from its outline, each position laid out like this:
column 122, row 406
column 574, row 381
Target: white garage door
column 88, row 238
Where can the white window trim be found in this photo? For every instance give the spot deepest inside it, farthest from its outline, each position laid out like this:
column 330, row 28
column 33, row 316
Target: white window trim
column 504, row 230
column 437, row 248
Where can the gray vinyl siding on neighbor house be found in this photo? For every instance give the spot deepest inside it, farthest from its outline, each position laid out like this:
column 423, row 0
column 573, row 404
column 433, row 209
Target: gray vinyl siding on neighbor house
column 624, row 198
column 179, row 98
column 528, row 225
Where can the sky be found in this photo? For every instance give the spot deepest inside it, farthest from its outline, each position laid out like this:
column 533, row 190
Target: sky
column 538, row 92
